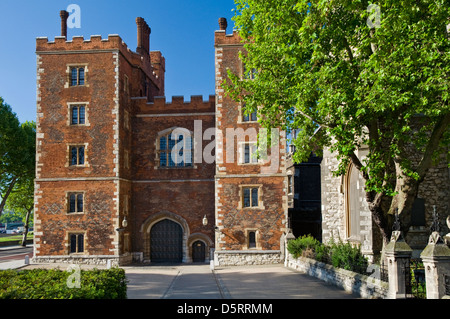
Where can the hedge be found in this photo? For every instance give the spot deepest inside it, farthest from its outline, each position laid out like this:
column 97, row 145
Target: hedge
column 59, row 284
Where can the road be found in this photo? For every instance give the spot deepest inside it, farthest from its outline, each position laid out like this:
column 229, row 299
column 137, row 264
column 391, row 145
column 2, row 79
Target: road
column 15, row 253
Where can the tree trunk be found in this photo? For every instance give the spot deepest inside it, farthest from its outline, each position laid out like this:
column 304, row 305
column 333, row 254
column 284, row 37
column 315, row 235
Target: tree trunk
column 25, row 232
column 8, row 191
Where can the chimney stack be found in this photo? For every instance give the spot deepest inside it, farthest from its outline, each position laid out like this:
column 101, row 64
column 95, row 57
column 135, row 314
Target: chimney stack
column 143, row 37
column 64, row 16
column 223, row 24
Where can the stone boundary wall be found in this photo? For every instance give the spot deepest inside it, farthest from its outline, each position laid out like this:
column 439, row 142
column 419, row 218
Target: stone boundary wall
column 85, row 260
column 247, row 257
column 365, row 286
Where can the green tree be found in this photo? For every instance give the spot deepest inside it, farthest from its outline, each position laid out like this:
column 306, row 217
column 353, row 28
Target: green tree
column 17, row 151
column 21, row 202
column 21, row 198
column 347, row 73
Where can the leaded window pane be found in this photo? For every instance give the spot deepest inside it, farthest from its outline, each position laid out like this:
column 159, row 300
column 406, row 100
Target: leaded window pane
column 74, row 156
column 81, row 156
column 82, row 117
column 72, row 203
column 246, row 153
column 80, row 203
column 75, row 115
column 74, row 77
column 163, row 159
column 163, row 143
column 246, row 197
column 73, row 243
column 254, row 197
column 80, row 247
column 81, row 76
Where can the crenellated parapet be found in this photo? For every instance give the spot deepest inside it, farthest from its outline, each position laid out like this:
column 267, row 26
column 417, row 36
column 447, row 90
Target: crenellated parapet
column 160, row 105
column 153, row 64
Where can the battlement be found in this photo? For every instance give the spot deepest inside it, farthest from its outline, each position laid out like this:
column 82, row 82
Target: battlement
column 177, row 105
column 78, row 43
column 222, row 38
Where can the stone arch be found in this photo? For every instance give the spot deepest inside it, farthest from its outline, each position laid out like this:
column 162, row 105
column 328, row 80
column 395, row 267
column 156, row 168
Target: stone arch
column 203, row 238
column 147, row 225
column 352, row 203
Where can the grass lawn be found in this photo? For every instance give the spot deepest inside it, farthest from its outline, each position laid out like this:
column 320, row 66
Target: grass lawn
column 5, row 238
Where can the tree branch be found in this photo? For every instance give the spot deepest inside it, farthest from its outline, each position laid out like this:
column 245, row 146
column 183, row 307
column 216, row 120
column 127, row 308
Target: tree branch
column 439, row 129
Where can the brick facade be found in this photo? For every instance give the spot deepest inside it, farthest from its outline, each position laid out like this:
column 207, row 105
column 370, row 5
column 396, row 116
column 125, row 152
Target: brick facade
column 105, row 188
column 244, row 230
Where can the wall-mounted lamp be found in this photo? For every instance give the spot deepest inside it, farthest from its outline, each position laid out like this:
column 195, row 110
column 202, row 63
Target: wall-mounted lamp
column 205, row 221
column 124, row 225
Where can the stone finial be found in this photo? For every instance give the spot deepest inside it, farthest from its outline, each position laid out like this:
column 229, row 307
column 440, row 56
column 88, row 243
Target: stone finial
column 223, row 24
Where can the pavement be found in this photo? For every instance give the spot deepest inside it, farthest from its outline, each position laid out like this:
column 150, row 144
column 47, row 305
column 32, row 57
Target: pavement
column 199, row 281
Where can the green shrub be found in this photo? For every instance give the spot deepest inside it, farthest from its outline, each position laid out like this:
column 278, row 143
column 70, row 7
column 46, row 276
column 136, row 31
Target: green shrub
column 297, row 246
column 346, row 256
column 52, row 284
column 340, row 255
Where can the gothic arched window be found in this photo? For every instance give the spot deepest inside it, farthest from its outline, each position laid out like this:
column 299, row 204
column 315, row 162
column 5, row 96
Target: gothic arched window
column 175, row 148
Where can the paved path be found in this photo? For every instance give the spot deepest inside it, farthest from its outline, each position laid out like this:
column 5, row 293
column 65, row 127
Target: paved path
column 198, row 281
column 249, row 282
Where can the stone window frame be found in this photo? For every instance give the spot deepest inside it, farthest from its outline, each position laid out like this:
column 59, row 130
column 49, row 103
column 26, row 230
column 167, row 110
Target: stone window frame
column 69, row 234
column 69, row 67
column 166, row 133
column 77, row 193
column 70, row 106
column 69, row 155
column 260, row 196
column 247, row 232
column 241, row 115
column 241, row 153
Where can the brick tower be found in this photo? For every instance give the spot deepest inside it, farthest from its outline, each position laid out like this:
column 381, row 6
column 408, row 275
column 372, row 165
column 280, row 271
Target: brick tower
column 251, row 199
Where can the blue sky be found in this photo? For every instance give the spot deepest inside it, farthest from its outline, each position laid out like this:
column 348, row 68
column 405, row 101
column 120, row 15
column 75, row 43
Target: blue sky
column 183, row 30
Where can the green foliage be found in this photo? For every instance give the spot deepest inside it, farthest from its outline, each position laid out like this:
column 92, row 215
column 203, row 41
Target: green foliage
column 346, row 256
column 297, row 246
column 17, row 161
column 320, row 64
column 340, row 255
column 52, row 284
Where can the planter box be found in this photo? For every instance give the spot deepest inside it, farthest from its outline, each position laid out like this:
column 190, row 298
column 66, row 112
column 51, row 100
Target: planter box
column 365, row 286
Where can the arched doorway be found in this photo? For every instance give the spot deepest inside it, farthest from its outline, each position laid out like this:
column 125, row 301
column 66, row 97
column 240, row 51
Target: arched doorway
column 166, row 242
column 198, row 251
column 353, row 206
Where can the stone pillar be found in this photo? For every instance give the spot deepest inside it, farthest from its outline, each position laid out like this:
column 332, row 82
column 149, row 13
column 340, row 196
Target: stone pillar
column 398, row 255
column 287, row 238
column 436, row 260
